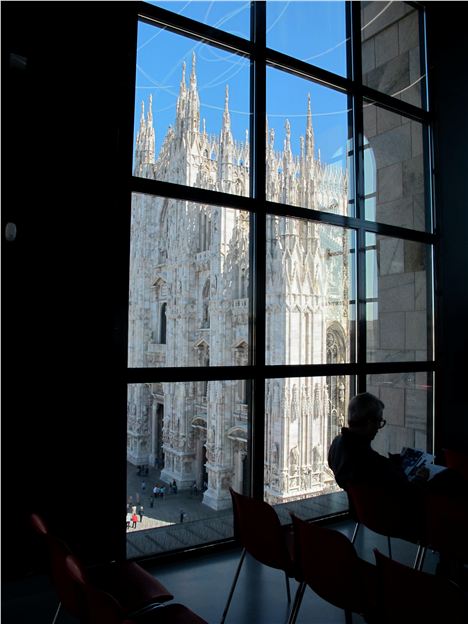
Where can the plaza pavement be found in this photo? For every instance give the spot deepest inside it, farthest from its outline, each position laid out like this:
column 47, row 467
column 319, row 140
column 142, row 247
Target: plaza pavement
column 162, row 531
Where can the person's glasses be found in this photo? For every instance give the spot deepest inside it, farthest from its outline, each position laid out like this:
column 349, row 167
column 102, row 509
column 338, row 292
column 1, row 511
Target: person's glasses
column 382, row 423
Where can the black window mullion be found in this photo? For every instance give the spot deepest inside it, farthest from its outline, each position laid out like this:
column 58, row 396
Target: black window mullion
column 358, row 172
column 258, row 249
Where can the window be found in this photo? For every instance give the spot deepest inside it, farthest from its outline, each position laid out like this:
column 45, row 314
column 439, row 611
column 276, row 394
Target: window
column 281, row 252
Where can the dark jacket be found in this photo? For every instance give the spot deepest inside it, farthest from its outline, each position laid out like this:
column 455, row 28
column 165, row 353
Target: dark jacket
column 353, row 460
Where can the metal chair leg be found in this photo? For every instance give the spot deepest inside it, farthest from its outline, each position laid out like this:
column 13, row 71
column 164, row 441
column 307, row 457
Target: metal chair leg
column 389, row 546
column 348, row 616
column 233, row 586
column 57, row 612
column 419, row 559
column 355, row 532
column 287, row 587
column 297, row 602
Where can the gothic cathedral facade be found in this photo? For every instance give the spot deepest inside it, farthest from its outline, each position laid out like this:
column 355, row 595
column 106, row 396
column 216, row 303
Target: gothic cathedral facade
column 188, row 306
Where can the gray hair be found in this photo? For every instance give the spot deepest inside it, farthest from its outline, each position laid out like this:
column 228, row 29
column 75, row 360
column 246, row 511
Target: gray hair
column 363, row 407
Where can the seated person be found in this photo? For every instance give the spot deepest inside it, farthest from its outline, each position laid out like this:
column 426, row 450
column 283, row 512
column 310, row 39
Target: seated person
column 354, row 461
column 351, row 457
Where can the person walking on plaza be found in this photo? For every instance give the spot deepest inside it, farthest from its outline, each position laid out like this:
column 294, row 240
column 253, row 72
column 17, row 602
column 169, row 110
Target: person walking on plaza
column 140, row 513
column 134, row 520
column 129, row 519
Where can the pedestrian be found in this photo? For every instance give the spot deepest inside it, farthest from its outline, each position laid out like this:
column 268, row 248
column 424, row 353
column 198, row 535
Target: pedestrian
column 182, row 515
column 129, row 519
column 143, row 486
column 134, row 521
column 140, row 513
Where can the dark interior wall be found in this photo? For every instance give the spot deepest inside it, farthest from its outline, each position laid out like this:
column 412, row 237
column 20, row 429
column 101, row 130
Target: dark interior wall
column 64, row 277
column 448, row 61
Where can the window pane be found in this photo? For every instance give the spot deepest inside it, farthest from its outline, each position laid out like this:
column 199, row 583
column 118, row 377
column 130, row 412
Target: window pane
column 408, row 410
column 196, row 435
column 394, row 171
column 310, row 122
column 191, row 113
column 309, row 293
column 189, row 275
column 233, row 17
column 397, row 271
column 314, row 32
column 302, row 417
column 392, row 56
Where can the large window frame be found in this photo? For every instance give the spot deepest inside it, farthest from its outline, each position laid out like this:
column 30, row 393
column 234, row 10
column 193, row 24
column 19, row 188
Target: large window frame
column 259, row 208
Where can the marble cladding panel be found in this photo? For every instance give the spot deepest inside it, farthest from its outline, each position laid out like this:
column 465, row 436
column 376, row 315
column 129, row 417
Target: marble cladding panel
column 396, row 212
column 394, row 145
column 392, row 330
column 389, row 183
column 390, row 78
column 416, row 331
column 375, row 16
column 408, row 32
column 397, row 293
column 391, row 256
column 394, row 400
column 415, row 256
column 413, row 176
column 386, row 45
column 416, row 409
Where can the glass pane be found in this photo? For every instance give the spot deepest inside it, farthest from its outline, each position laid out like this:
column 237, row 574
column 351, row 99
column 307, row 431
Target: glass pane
column 314, row 32
column 398, row 312
column 189, row 441
column 189, row 275
column 310, row 122
column 191, row 113
column 408, row 410
column 394, row 171
column 302, row 417
column 233, row 17
column 392, row 55
column 310, row 311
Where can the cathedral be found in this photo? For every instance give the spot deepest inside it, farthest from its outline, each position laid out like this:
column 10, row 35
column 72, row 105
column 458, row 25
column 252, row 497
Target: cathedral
column 189, row 306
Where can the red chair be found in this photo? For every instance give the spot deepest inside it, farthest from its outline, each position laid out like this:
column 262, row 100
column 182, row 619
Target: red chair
column 259, row 531
column 389, row 515
column 447, row 533
column 457, row 460
column 406, row 595
column 99, row 607
column 327, row 562
column 137, row 589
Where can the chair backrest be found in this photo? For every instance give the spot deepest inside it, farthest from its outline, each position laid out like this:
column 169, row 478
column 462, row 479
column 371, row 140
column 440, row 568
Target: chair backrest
column 409, row 595
column 447, row 526
column 98, row 607
column 327, row 561
column 387, row 512
column 58, row 551
column 259, row 531
column 457, row 460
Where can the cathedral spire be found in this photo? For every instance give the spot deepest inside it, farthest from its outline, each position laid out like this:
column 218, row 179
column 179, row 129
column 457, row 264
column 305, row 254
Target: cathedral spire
column 226, row 148
column 193, row 103
column 144, row 148
column 181, row 102
column 226, row 115
column 309, row 131
column 193, row 75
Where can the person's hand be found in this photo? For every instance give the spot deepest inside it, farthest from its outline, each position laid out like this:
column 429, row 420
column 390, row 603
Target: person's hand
column 395, row 458
column 422, row 473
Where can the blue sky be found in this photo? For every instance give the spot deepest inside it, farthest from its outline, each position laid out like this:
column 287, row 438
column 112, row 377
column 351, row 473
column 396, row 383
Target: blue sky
column 312, row 31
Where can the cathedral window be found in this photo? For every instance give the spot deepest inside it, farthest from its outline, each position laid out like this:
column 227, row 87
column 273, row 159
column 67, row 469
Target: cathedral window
column 162, row 324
